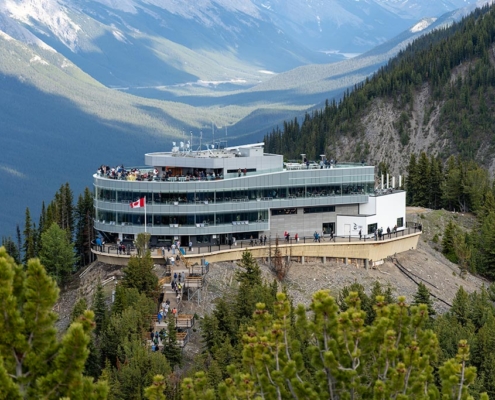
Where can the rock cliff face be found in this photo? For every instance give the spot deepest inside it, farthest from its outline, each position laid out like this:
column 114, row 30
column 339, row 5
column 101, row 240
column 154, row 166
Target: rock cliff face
column 381, row 137
column 382, row 141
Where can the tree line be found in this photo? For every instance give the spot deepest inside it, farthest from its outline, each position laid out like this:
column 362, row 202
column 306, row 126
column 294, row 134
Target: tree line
column 459, row 186
column 62, row 237
column 464, row 101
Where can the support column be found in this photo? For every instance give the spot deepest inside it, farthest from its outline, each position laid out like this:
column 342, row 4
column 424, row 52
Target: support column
column 346, row 261
column 324, row 260
column 366, row 265
column 302, row 259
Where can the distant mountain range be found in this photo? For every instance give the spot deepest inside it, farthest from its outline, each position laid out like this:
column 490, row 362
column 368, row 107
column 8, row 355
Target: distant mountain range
column 247, row 65
column 154, row 43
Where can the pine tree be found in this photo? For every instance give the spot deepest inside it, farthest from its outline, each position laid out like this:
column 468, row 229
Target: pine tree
column 448, row 241
column 84, row 214
column 391, row 358
column 249, row 278
column 171, row 349
column 422, row 193
column 139, row 275
column 99, row 307
column 12, row 249
column 33, row 363
column 411, row 181
column 422, row 296
column 57, row 253
column 157, row 389
column 29, row 245
column 79, row 308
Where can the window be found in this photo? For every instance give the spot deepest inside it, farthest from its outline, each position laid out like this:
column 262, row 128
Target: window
column 284, row 211
column 328, row 227
column 400, row 222
column 312, row 210
column 372, row 228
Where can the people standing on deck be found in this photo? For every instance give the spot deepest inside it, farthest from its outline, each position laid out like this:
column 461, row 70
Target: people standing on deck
column 264, row 241
column 360, row 234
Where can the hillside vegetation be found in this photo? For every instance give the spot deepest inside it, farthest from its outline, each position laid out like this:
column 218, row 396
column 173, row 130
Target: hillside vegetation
column 437, row 96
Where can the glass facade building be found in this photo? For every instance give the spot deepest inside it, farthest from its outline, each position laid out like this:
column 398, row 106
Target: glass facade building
column 213, row 195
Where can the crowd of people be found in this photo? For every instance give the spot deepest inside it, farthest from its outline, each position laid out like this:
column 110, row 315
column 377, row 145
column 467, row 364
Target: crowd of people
column 153, row 174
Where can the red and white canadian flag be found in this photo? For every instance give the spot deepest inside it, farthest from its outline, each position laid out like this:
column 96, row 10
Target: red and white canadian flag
column 138, row 203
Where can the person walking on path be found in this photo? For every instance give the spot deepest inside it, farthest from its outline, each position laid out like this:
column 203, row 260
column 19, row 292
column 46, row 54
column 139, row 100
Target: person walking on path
column 264, row 241
column 190, row 246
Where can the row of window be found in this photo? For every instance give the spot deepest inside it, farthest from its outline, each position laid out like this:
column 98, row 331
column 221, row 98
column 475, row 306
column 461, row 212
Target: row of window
column 306, row 210
column 235, row 195
column 199, row 220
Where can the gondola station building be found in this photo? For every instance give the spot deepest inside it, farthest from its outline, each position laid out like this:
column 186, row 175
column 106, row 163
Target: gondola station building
column 223, row 194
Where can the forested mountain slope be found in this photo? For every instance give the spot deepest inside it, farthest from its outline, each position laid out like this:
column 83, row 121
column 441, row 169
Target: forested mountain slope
column 437, row 96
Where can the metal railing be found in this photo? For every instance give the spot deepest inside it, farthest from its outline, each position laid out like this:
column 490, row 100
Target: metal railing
column 251, row 243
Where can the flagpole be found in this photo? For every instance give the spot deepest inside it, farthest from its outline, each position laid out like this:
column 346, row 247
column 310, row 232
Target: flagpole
column 145, row 214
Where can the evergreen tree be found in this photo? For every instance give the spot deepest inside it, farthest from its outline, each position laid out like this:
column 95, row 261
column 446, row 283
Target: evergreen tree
column 486, row 246
column 448, row 242
column 157, row 389
column 84, row 215
column 422, row 296
column 57, row 253
column 171, row 349
column 99, row 308
column 41, row 228
column 249, row 278
column 135, row 371
column 422, row 193
column 411, row 181
column 79, row 308
column 391, row 358
column 29, row 245
column 139, row 275
column 12, row 249
column 33, row 363
column 460, row 306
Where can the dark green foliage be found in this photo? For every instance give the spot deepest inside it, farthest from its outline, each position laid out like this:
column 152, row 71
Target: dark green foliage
column 84, row 214
column 448, row 241
column 29, row 245
column 422, row 296
column 57, row 253
column 99, row 308
column 12, row 249
column 139, row 275
column 171, row 349
column 472, row 318
column 61, row 210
